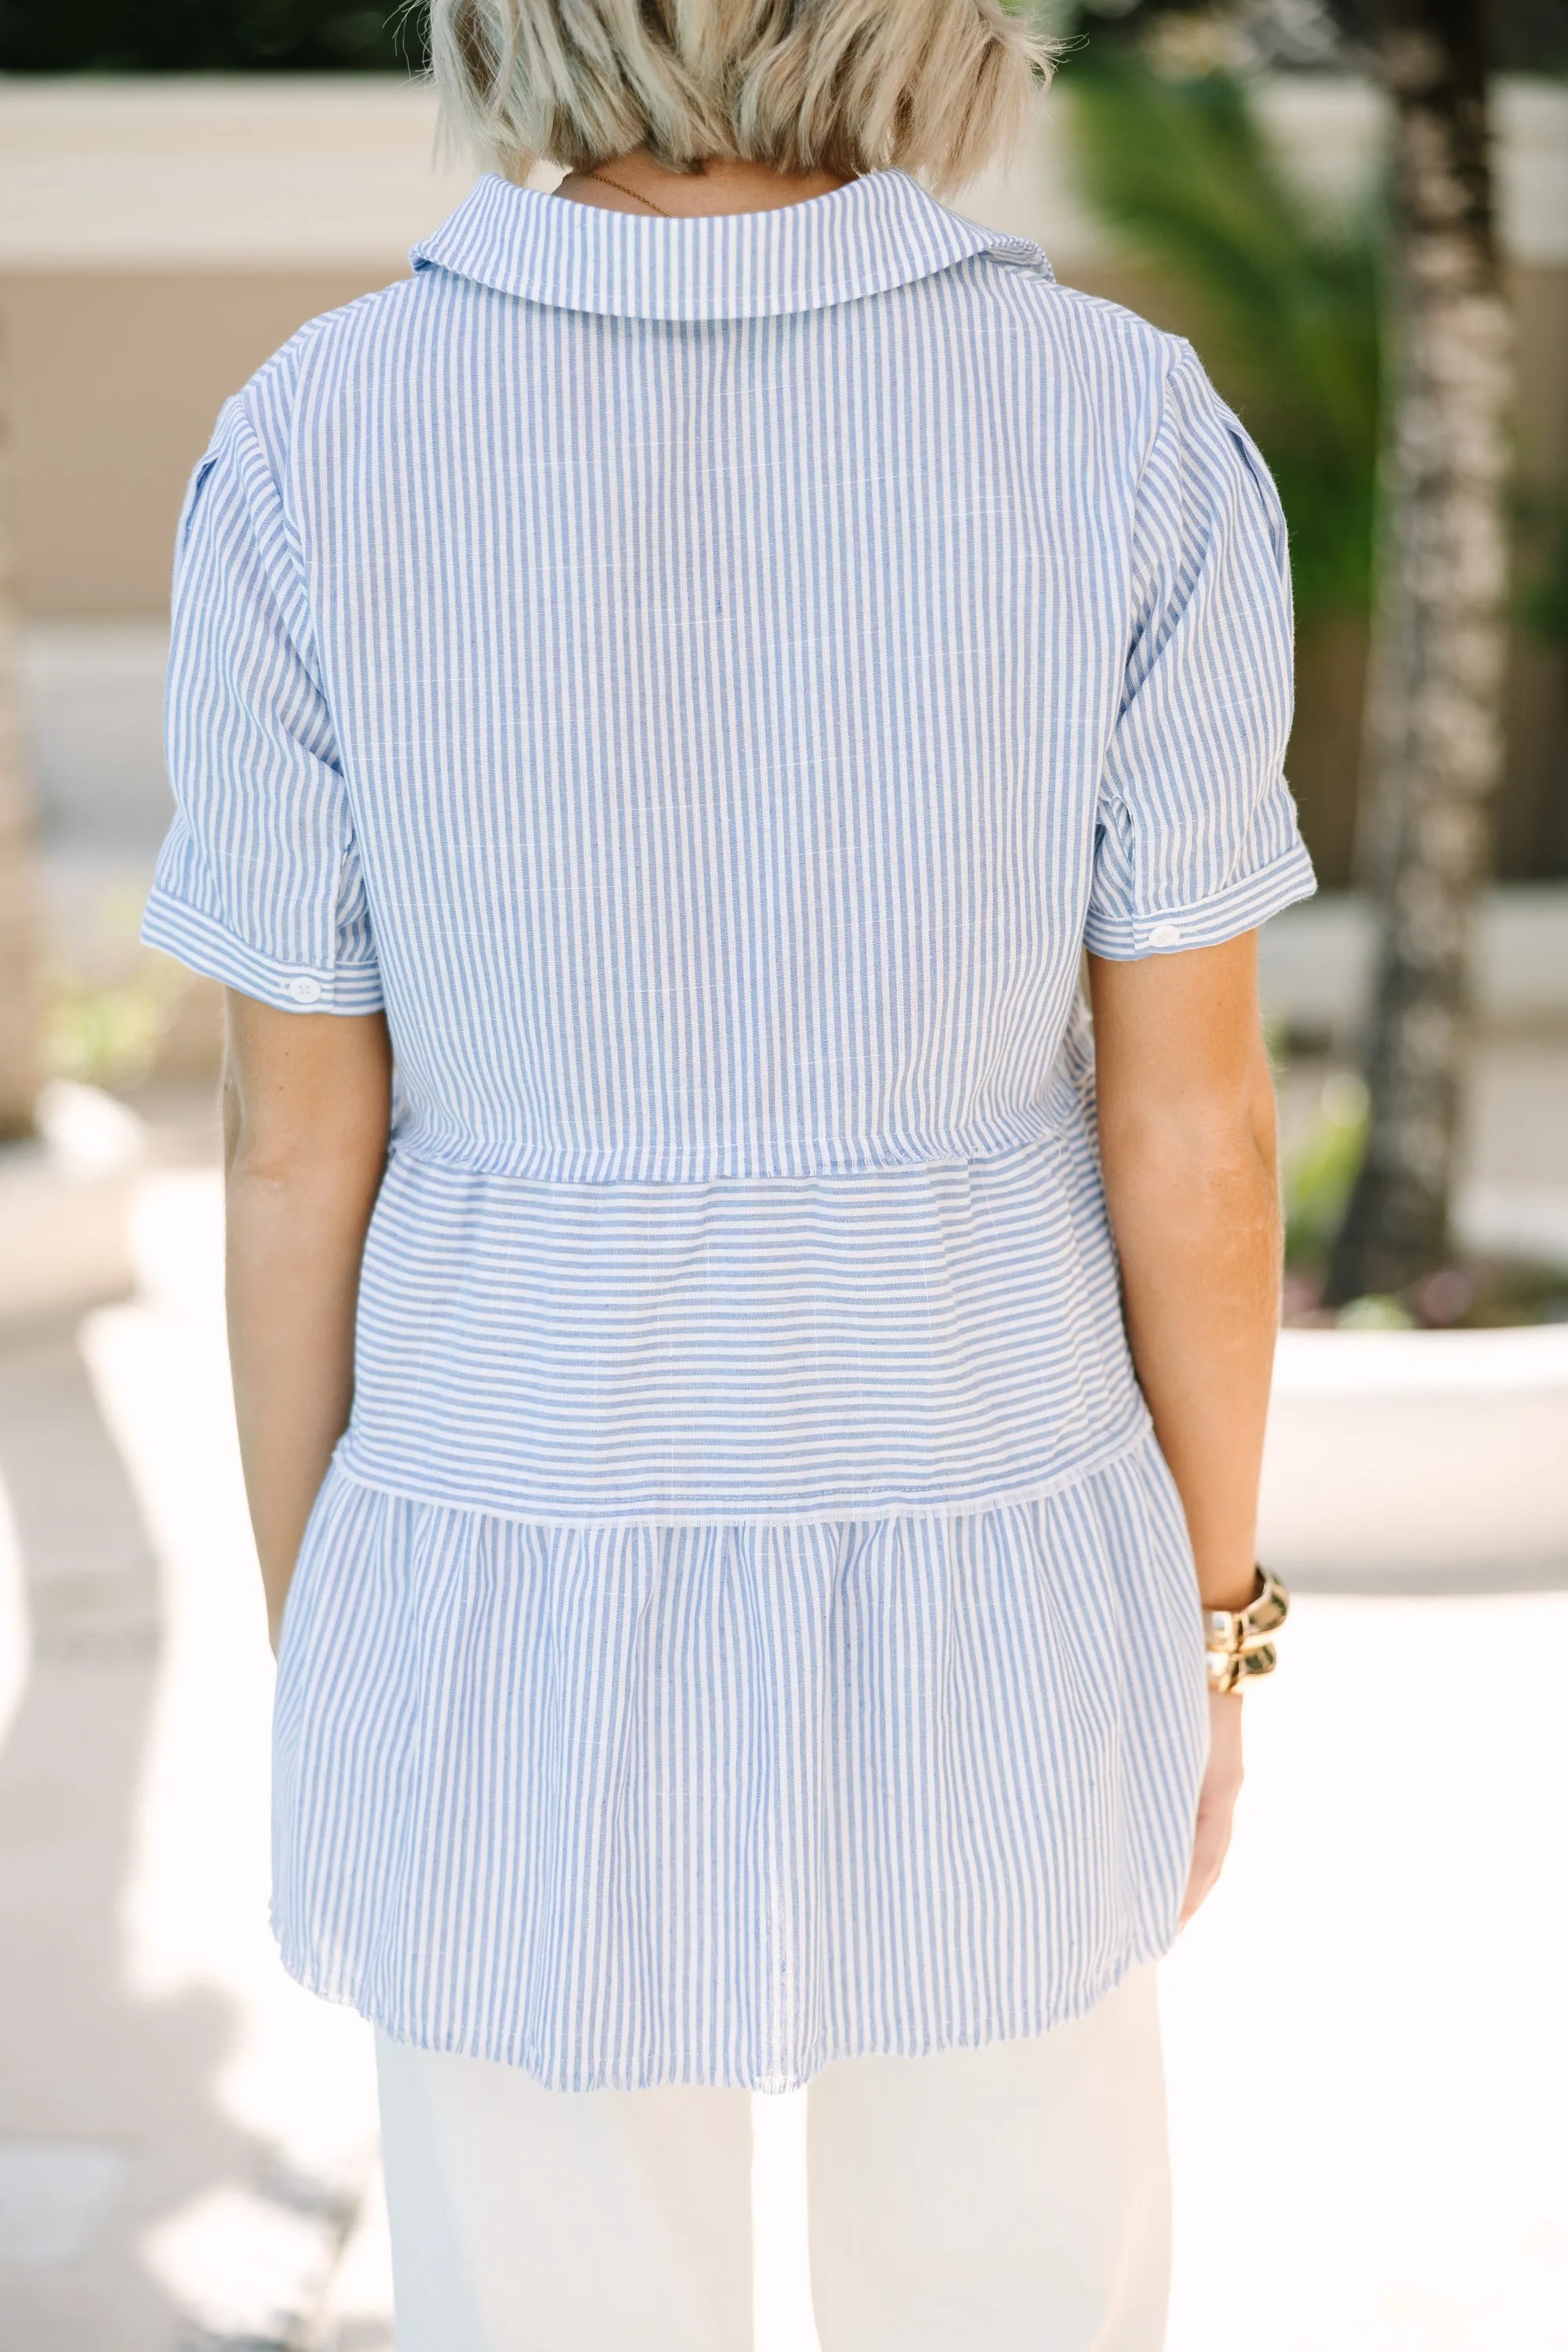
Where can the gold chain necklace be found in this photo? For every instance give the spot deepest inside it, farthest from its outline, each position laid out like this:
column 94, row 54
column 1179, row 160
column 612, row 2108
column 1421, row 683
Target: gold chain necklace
column 621, row 189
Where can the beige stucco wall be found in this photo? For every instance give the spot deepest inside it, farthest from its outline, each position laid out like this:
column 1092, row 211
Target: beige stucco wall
column 116, row 377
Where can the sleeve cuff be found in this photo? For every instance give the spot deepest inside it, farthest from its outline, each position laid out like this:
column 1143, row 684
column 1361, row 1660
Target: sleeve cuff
column 207, row 946
column 1240, row 906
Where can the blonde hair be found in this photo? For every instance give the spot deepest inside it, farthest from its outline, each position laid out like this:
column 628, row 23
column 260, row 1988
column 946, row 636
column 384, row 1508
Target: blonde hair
column 936, row 87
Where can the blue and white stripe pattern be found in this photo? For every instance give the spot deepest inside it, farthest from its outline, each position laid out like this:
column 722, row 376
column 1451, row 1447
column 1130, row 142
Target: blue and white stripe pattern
column 708, row 680
column 638, row 1805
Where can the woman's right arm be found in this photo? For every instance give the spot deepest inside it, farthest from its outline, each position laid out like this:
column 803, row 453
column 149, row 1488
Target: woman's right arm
column 307, row 1106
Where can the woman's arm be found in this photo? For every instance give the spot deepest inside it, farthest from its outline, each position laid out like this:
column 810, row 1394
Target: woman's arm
column 306, row 1109
column 1187, row 1142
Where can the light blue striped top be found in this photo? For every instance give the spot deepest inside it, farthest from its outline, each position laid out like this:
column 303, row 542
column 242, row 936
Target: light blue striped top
column 709, row 681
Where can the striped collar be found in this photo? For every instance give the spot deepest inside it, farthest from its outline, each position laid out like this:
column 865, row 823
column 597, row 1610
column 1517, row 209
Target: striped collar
column 875, row 232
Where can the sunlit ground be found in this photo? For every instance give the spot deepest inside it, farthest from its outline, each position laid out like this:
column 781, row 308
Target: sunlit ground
column 1367, row 2036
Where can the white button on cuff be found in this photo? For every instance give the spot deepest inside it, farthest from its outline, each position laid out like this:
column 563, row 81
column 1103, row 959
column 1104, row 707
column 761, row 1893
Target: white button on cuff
column 1165, row 935
column 304, row 991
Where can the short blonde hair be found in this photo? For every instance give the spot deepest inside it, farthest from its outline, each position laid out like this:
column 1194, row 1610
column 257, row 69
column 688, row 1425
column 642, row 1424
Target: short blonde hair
column 936, row 87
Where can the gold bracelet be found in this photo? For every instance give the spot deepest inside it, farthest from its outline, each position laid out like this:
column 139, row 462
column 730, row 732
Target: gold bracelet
column 1236, row 1640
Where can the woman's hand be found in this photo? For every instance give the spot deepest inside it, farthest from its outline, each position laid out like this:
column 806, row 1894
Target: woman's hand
column 1217, row 1798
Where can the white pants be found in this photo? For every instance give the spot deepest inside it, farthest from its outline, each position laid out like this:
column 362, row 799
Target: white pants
column 1014, row 2199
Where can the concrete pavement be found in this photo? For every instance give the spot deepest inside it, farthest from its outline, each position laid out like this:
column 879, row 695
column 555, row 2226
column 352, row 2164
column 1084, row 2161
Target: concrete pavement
column 188, row 2139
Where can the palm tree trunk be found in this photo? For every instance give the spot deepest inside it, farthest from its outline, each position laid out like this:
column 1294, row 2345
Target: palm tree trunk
column 19, row 992
column 1434, row 727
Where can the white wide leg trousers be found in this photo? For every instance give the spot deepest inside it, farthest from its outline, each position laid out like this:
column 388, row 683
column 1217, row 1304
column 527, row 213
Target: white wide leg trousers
column 1013, row 2198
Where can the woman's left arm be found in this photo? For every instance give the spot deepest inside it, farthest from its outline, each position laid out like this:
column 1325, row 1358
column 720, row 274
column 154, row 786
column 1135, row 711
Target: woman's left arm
column 1192, row 1182
column 307, row 1101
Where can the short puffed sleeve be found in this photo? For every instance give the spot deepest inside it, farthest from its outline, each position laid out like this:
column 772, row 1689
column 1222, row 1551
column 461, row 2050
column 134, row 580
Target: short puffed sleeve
column 258, row 883
column 1195, row 835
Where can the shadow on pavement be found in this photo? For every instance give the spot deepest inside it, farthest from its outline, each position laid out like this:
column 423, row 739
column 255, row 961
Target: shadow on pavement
column 111, row 2124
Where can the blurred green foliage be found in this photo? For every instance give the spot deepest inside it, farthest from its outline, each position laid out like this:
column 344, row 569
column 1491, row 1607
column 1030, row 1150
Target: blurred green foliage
column 1319, row 1173
column 1545, row 594
column 1470, row 1292
column 1375, row 1312
column 208, row 37
column 1284, row 297
column 106, row 1031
